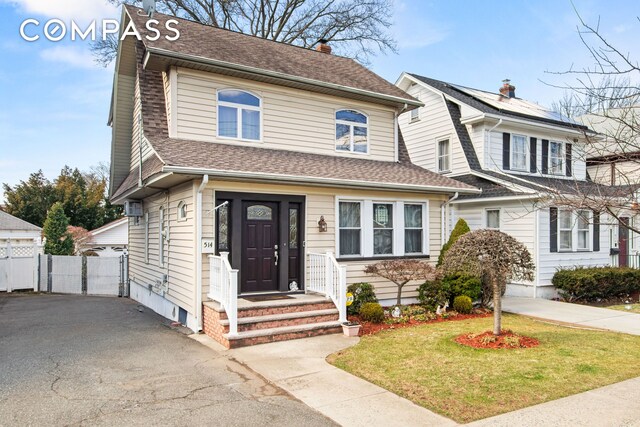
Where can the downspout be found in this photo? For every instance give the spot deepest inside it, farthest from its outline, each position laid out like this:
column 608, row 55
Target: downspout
column 396, row 141
column 536, row 242
column 203, row 184
column 487, row 144
column 140, row 184
column 444, row 213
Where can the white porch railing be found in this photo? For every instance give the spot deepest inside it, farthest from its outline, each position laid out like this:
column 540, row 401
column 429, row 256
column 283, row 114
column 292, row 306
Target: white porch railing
column 223, row 287
column 329, row 278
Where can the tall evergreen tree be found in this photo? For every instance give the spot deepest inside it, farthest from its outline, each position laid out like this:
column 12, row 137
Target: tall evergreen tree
column 31, row 199
column 59, row 241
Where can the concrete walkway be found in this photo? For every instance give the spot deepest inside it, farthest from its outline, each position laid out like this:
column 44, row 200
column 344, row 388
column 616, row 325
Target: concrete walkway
column 591, row 317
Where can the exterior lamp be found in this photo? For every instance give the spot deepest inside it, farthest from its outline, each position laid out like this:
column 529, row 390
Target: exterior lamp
column 322, row 225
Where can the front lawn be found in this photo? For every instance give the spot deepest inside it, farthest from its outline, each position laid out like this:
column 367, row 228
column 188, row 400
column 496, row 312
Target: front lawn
column 426, row 366
column 635, row 308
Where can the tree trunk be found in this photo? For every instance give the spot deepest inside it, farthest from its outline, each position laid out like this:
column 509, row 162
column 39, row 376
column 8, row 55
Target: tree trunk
column 399, row 299
column 497, row 308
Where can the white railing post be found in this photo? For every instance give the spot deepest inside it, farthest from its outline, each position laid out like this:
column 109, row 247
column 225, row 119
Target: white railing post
column 232, row 310
column 328, row 274
column 342, row 298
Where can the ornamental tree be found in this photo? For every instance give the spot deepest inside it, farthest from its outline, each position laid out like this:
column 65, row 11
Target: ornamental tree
column 460, row 229
column 494, row 256
column 401, row 272
column 59, row 241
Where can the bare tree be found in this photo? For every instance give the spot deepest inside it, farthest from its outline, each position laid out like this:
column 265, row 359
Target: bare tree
column 401, row 272
column 495, row 257
column 356, row 28
column 605, row 97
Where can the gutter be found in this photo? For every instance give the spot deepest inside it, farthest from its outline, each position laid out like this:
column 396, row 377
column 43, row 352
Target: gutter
column 532, row 122
column 444, row 208
column 203, row 184
column 498, row 199
column 274, row 74
column 317, row 181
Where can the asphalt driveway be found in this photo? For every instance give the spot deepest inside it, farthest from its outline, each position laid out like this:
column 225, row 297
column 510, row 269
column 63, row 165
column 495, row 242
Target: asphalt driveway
column 74, row 360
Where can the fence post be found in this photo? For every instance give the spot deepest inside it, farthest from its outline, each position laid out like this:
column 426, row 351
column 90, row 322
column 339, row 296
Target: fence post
column 36, row 273
column 49, row 273
column 10, row 266
column 39, row 273
column 84, row 275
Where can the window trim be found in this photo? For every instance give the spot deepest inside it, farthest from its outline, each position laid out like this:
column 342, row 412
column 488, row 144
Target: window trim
column 416, row 118
column 486, row 218
column 527, row 155
column 180, row 215
column 589, row 230
column 351, row 126
column 423, row 228
column 562, row 157
column 392, row 228
column 560, row 230
column 239, row 108
column 366, row 228
column 449, row 154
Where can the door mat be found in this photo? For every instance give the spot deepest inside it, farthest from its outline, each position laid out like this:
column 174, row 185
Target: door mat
column 267, row 298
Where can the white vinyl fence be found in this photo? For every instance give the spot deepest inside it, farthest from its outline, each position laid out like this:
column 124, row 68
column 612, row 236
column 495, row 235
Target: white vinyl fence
column 18, row 267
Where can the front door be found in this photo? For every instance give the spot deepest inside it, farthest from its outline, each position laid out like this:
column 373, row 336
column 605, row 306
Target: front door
column 260, row 256
column 623, row 242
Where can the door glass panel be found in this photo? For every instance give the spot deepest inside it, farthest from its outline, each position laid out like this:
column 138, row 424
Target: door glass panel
column 293, row 228
column 260, row 213
column 223, row 228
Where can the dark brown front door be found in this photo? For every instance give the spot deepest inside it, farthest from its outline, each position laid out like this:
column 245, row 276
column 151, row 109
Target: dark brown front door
column 623, row 242
column 259, row 247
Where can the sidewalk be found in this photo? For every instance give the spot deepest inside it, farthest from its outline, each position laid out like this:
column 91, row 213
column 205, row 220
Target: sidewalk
column 591, row 317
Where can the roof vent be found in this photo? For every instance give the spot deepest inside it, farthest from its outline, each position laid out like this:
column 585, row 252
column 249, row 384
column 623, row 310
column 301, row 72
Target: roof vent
column 323, row 46
column 507, row 89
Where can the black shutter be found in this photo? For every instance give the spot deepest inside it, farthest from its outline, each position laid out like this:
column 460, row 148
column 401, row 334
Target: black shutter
column 553, row 229
column 596, row 231
column 533, row 153
column 506, row 151
column 545, row 156
column 568, row 155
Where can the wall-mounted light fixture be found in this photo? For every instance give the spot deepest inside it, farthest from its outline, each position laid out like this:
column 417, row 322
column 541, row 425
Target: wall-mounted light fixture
column 322, row 225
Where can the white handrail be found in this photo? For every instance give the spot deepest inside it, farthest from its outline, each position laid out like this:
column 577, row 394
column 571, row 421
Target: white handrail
column 329, row 278
column 223, row 287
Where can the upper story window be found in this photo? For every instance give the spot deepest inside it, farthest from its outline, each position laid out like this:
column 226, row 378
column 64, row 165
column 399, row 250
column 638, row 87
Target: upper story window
column 444, row 155
column 182, row 211
column 239, row 115
column 519, row 152
column 556, row 157
column 352, row 131
column 415, row 115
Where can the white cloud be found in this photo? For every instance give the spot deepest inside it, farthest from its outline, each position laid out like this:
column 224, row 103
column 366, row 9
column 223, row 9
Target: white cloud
column 76, row 57
column 79, row 10
column 414, row 31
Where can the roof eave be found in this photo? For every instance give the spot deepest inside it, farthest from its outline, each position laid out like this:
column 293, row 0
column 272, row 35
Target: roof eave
column 163, row 53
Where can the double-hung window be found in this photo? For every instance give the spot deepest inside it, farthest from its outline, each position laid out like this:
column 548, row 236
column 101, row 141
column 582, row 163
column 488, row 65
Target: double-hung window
column 352, row 131
column 444, row 155
column 415, row 115
column 413, row 229
column 565, row 230
column 583, row 221
column 162, row 235
column 382, row 228
column 556, row 157
column 519, row 152
column 350, row 234
column 493, row 219
column 239, row 115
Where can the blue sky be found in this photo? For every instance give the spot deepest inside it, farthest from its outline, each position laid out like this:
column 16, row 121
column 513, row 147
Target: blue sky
column 54, row 100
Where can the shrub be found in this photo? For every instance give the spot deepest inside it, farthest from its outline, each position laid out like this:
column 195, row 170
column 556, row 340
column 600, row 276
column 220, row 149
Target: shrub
column 372, row 312
column 461, row 228
column 362, row 293
column 463, row 304
column 433, row 293
column 588, row 284
column 462, row 284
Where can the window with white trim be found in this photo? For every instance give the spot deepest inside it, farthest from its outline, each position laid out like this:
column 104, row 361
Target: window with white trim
column 352, row 131
column 161, row 236
column 146, row 237
column 381, row 228
column 444, row 155
column 519, row 152
column 239, row 115
column 565, row 230
column 556, row 157
column 583, row 220
column 182, row 211
column 492, row 219
column 414, row 115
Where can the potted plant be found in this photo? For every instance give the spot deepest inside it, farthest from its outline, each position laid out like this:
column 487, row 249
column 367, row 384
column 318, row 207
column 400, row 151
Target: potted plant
column 351, row 329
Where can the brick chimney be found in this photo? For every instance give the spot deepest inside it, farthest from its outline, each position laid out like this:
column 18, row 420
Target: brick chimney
column 323, row 47
column 507, row 89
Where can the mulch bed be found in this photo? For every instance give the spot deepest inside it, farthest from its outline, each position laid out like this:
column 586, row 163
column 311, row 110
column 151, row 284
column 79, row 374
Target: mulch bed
column 369, row 328
column 506, row 340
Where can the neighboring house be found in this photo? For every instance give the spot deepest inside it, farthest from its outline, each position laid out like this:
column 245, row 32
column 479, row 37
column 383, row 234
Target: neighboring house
column 110, row 240
column 18, row 232
column 273, row 153
column 20, row 245
column 521, row 155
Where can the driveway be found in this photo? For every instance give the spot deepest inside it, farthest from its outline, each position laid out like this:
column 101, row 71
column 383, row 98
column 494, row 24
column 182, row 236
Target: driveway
column 74, row 360
column 583, row 315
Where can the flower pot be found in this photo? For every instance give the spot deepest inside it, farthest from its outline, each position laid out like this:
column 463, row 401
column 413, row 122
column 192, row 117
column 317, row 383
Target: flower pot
column 350, row 330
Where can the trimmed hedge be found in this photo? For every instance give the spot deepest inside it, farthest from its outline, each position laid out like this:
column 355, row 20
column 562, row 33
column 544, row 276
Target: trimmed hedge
column 588, row 284
column 362, row 293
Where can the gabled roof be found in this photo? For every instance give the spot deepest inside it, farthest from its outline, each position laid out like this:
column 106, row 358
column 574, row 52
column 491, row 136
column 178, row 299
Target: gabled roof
column 113, row 224
column 209, row 46
column 493, row 103
column 10, row 222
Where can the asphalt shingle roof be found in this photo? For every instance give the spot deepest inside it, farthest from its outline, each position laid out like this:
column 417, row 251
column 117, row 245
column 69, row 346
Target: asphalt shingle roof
column 10, row 222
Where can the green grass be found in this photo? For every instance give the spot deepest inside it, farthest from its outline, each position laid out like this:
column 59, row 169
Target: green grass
column 635, row 308
column 425, row 365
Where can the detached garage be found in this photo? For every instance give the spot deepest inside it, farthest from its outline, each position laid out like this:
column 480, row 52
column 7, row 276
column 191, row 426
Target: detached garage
column 20, row 245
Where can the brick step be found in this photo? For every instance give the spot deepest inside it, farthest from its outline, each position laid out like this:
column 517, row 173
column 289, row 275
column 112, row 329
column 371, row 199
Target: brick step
column 285, row 307
column 284, row 319
column 284, row 333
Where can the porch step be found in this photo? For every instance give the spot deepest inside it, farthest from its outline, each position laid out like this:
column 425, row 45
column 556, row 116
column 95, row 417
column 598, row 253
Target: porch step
column 284, row 333
column 272, row 321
